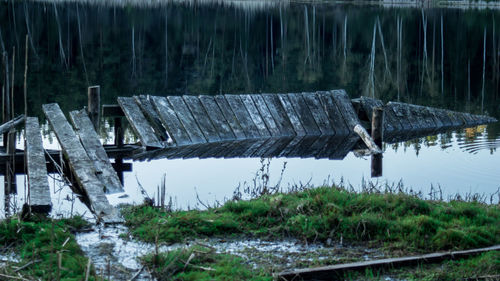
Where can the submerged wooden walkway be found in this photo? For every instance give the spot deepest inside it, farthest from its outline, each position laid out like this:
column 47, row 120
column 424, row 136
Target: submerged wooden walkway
column 325, row 124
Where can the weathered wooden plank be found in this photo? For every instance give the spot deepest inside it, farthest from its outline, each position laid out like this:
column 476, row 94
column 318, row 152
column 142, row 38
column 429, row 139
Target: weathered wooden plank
column 253, row 145
column 332, row 144
column 292, row 115
column 7, row 126
column 346, row 109
column 400, row 114
column 38, row 184
column 345, row 146
column 332, row 272
column 277, row 111
column 456, row 121
column 92, row 145
column 230, row 117
column 187, row 119
column 317, row 147
column 290, row 147
column 170, row 120
column 259, row 151
column 437, row 120
column 153, row 118
column 319, row 113
column 304, row 114
column 266, row 115
column 243, row 117
column 301, row 148
column 277, row 147
column 255, row 115
column 139, row 123
column 81, row 165
column 218, row 120
column 202, row 118
column 367, row 139
column 443, row 117
column 333, row 113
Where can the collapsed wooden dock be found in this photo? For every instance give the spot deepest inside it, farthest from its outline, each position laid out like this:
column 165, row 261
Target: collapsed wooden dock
column 324, row 124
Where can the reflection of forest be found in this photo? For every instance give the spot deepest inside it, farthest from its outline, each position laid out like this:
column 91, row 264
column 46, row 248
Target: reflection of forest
column 432, row 57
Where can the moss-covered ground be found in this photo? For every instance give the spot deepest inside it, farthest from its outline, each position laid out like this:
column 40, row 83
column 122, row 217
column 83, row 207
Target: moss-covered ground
column 46, row 249
column 399, row 224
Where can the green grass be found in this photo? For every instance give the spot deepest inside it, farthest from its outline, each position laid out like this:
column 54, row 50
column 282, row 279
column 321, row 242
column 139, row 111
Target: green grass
column 397, row 221
column 40, row 242
column 201, row 263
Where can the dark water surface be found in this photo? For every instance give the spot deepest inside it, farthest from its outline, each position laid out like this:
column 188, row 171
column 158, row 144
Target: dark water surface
column 437, row 57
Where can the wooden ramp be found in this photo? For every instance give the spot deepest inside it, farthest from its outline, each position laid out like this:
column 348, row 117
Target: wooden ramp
column 92, row 145
column 38, row 185
column 81, row 166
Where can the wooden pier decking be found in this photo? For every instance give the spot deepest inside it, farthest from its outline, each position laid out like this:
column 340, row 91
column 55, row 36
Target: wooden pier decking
column 324, row 124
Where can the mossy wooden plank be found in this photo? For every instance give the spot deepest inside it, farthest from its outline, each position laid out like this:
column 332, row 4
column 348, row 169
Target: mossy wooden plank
column 38, row 184
column 276, row 109
column 202, row 118
column 256, row 116
column 93, row 146
column 153, row 118
column 242, row 115
column 304, row 114
column 267, row 117
column 333, row 113
column 319, row 113
column 81, row 166
column 139, row 123
column 218, row 120
column 292, row 115
column 170, row 120
column 187, row 119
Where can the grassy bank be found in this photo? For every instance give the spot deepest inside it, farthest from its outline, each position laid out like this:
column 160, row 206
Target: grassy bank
column 397, row 221
column 46, row 249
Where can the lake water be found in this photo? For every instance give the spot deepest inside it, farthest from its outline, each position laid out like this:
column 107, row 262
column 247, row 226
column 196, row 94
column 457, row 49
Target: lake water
column 440, row 57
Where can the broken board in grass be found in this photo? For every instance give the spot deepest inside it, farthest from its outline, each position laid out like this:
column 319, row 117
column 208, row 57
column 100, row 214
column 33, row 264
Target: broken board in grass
column 139, row 123
column 81, row 166
column 38, row 184
column 90, row 141
column 170, row 120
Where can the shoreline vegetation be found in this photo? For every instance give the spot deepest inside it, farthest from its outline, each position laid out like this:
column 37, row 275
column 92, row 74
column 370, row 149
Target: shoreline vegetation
column 393, row 222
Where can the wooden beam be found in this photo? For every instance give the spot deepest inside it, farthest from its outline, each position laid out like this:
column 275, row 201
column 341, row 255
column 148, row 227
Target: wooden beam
column 80, row 165
column 38, row 184
column 336, row 271
column 90, row 141
column 5, row 127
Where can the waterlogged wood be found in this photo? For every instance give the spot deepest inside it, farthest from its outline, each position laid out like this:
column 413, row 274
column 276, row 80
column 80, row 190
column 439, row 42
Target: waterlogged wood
column 301, row 148
column 139, row 123
column 153, row 118
column 456, row 119
column 319, row 113
column 90, row 141
column 292, row 115
column 304, row 114
column 242, row 115
column 278, row 113
column 278, row 146
column 7, row 126
column 346, row 109
column 230, row 117
column 367, row 139
column 218, row 120
column 290, row 146
column 401, row 113
column 266, row 115
column 333, row 144
column 255, row 115
column 333, row 113
column 443, row 117
column 202, row 118
column 334, row 271
column 187, row 119
column 170, row 120
column 344, row 147
column 253, row 146
column 81, row 165
column 38, row 184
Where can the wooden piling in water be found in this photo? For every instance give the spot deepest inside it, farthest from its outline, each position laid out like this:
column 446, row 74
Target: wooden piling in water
column 94, row 105
column 377, row 136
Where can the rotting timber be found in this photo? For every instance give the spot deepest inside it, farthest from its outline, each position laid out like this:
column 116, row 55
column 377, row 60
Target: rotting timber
column 324, row 124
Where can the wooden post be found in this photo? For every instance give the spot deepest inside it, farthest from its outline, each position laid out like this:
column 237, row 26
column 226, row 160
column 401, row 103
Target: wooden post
column 119, row 143
column 377, row 136
column 10, row 172
column 94, row 105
